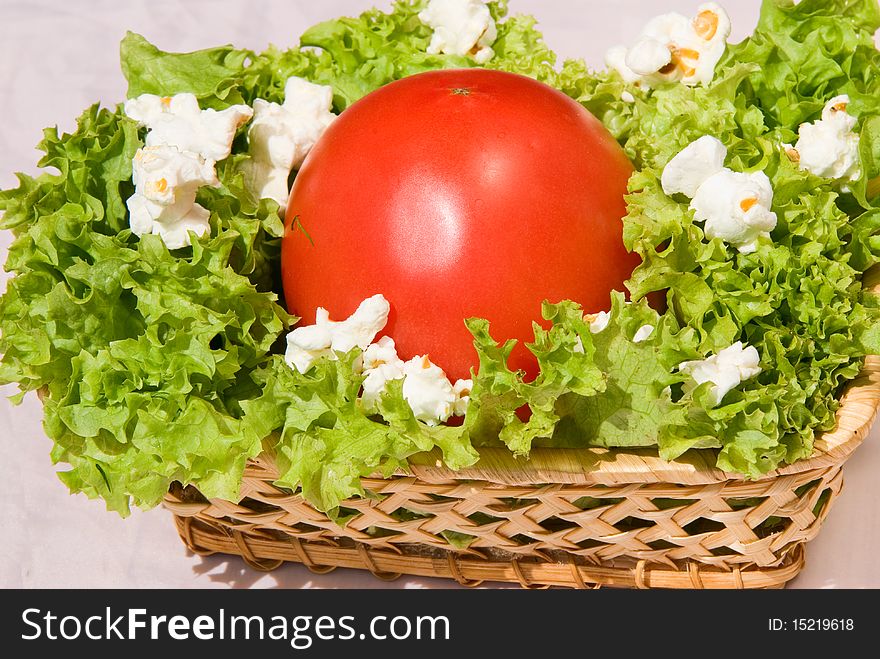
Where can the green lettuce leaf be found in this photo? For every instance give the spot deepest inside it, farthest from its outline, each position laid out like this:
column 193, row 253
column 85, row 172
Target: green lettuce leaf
column 327, row 442
column 637, row 402
column 210, row 74
column 808, row 53
column 501, row 397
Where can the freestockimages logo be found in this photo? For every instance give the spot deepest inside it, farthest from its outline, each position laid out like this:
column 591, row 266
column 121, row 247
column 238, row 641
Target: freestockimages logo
column 136, row 624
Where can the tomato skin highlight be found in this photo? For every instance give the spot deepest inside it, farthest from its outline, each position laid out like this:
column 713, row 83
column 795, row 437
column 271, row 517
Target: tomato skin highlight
column 457, row 194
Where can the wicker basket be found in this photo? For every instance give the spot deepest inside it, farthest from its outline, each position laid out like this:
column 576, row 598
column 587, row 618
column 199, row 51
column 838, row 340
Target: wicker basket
column 577, row 518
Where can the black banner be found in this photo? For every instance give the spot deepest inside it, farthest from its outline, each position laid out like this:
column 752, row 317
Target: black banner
column 370, row 623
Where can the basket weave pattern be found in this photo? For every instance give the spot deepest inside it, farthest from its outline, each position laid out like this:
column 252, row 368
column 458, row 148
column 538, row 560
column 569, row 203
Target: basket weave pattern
column 577, row 518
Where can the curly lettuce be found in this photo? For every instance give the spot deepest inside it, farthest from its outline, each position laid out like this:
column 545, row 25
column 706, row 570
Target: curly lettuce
column 799, row 299
column 158, row 366
column 141, row 354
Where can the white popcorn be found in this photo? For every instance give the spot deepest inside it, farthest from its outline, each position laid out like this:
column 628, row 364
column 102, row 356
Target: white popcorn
column 643, row 333
column 361, row 327
column 428, row 391
column 691, row 166
column 178, row 121
column 461, row 27
column 462, row 389
column 711, row 26
column 380, row 353
column 305, row 345
column 674, row 48
column 281, row 136
column 828, row 147
column 615, row 58
column 736, row 208
column 649, row 55
column 381, row 365
column 375, row 383
column 600, row 322
column 166, row 181
column 182, row 144
column 725, row 371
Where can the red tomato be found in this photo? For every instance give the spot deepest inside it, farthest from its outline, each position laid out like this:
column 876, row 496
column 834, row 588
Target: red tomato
column 458, row 193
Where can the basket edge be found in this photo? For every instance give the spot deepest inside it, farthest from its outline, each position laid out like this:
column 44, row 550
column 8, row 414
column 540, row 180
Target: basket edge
column 321, row 557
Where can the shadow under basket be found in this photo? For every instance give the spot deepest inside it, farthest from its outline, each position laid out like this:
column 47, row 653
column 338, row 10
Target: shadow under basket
column 565, row 517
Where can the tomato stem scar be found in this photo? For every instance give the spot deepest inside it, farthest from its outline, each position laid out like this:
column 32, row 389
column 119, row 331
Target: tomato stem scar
column 461, row 91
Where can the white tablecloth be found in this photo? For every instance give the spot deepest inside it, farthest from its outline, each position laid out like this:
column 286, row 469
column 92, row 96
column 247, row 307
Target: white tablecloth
column 59, row 56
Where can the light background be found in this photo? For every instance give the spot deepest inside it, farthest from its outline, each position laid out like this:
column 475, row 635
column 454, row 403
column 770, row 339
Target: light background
column 59, row 56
